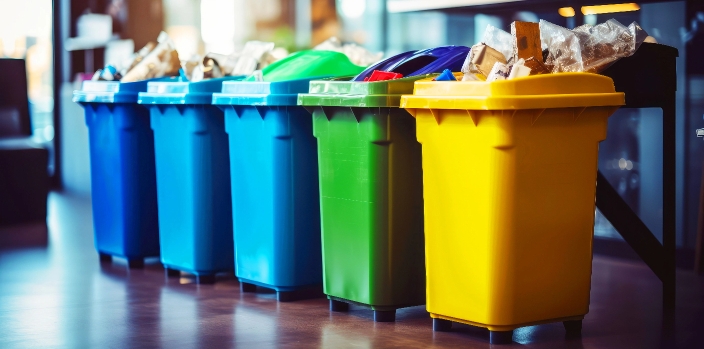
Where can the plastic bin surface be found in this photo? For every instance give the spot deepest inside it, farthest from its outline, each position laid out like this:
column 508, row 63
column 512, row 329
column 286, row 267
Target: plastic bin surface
column 509, row 173
column 370, row 192
column 274, row 184
column 193, row 176
column 123, row 179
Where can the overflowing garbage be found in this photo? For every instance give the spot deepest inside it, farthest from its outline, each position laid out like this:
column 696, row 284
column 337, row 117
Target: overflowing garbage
column 160, row 59
column 253, row 57
column 156, row 60
column 529, row 49
column 543, row 48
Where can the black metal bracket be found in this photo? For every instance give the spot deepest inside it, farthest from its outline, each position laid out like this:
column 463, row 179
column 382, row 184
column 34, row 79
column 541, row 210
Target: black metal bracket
column 649, row 80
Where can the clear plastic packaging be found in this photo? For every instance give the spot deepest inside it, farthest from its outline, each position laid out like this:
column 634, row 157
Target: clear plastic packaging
column 272, row 56
column 589, row 48
column 499, row 40
column 251, row 56
column 225, row 63
column 564, row 50
column 193, row 68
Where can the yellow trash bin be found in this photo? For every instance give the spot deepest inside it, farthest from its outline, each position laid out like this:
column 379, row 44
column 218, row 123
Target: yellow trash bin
column 509, row 182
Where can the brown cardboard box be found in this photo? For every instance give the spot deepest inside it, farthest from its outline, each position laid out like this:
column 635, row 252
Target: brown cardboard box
column 526, row 44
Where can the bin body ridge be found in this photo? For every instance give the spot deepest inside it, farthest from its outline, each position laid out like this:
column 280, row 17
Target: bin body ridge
column 509, row 216
column 123, row 182
column 193, row 175
column 371, row 205
column 275, row 195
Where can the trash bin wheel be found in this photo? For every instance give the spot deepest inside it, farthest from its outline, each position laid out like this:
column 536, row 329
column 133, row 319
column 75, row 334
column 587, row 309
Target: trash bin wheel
column 573, row 327
column 247, row 288
column 339, row 306
column 384, row 315
column 171, row 272
column 135, row 263
column 441, row 325
column 285, row 296
column 500, row 337
column 104, row 257
column 205, row 279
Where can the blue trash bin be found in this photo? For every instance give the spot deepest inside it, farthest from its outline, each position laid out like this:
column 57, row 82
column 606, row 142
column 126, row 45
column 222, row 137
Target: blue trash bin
column 274, row 168
column 193, row 177
column 123, row 181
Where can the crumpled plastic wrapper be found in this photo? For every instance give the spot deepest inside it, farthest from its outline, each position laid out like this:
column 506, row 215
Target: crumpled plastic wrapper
column 589, row 48
column 253, row 57
column 499, row 40
column 161, row 61
column 197, row 69
column 137, row 57
column 250, row 57
column 357, row 54
column 272, row 56
column 224, row 63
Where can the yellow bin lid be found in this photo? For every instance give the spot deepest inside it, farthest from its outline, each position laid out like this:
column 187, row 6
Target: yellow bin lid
column 561, row 90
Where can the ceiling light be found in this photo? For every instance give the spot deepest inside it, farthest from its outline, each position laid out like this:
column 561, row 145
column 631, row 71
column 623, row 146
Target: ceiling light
column 566, row 12
column 600, row 9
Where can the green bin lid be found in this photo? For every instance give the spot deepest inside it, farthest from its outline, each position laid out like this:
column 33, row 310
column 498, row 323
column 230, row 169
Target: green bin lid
column 336, row 93
column 310, row 64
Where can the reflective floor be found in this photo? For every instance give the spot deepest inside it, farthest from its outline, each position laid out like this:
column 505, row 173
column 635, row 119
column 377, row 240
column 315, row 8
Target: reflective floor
column 55, row 294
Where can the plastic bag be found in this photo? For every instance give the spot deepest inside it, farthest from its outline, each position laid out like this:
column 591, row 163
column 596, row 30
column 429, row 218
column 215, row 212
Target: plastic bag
column 499, row 40
column 589, row 48
column 564, row 49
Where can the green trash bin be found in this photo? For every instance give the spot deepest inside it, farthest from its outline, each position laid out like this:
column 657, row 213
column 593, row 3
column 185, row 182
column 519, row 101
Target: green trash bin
column 371, row 194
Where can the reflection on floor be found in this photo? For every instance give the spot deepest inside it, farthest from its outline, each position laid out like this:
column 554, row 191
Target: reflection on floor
column 55, row 293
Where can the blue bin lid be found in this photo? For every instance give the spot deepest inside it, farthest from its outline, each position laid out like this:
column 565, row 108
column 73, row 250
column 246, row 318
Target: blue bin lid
column 183, row 92
column 112, row 91
column 280, row 93
column 423, row 62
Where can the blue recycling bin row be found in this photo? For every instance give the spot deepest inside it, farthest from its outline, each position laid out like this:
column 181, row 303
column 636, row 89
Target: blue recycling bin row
column 249, row 141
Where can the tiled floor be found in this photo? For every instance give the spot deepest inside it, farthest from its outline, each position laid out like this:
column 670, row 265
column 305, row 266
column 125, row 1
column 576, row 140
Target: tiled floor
column 55, row 294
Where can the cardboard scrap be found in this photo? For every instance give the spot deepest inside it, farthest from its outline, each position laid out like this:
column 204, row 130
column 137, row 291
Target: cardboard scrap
column 526, row 41
column 483, row 58
column 536, row 66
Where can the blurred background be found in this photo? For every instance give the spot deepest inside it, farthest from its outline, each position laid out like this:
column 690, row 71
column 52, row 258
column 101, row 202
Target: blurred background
column 63, row 38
